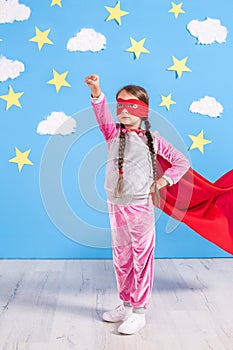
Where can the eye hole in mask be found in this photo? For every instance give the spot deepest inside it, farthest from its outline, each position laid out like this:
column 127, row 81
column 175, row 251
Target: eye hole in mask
column 130, row 105
column 120, row 105
column 133, row 105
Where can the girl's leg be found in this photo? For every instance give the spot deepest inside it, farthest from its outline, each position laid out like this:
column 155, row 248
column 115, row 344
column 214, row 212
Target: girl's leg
column 143, row 250
column 123, row 266
column 142, row 230
column 133, row 229
column 122, row 251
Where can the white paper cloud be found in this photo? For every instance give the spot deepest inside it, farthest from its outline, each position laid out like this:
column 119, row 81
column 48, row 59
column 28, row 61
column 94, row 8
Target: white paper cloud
column 10, row 69
column 11, row 10
column 207, row 106
column 57, row 123
column 87, row 40
column 208, row 31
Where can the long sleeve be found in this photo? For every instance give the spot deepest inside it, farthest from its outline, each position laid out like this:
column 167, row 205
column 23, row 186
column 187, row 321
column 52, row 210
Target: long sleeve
column 179, row 162
column 104, row 117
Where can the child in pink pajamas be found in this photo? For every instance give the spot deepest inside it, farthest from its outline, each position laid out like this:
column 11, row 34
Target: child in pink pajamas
column 132, row 188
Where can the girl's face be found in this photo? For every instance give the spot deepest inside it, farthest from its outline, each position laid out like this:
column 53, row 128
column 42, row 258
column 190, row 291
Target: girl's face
column 129, row 120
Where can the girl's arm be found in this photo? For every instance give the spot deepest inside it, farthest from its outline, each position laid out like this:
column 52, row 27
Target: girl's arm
column 179, row 162
column 103, row 115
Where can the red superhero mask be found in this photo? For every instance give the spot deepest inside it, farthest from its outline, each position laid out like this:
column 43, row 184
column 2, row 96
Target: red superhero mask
column 134, row 107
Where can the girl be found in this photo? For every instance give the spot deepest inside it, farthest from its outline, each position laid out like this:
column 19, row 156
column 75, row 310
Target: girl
column 132, row 188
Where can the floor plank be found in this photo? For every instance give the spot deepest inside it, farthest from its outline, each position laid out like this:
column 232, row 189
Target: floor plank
column 58, row 305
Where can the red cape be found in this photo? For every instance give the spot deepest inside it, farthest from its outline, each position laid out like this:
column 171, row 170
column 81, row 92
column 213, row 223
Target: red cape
column 205, row 207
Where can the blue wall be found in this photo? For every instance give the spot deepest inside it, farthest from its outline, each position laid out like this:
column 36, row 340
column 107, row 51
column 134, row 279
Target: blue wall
column 56, row 208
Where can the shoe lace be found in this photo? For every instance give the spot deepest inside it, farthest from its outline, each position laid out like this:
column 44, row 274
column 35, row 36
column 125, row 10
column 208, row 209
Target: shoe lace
column 119, row 308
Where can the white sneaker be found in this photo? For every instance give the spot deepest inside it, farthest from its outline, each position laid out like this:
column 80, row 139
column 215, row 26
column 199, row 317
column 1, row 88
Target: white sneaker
column 133, row 324
column 120, row 313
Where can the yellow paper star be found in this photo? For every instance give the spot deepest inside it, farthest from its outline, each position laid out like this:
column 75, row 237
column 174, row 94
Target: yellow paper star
column 115, row 13
column 179, row 66
column 176, row 9
column 199, row 141
column 12, row 98
column 21, row 158
column 137, row 47
column 56, row 2
column 59, row 80
column 167, row 101
column 41, row 38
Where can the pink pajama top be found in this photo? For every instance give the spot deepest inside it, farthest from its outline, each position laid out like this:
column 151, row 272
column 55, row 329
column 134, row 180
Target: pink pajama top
column 137, row 166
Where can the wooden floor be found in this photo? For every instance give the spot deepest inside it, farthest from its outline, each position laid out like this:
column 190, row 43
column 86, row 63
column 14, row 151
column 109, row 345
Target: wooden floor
column 57, row 304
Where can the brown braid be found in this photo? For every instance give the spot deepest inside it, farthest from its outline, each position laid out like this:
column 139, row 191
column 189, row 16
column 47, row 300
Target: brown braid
column 120, row 186
column 150, row 144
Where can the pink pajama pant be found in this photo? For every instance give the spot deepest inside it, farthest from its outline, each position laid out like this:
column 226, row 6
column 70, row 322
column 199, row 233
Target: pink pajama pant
column 133, row 238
